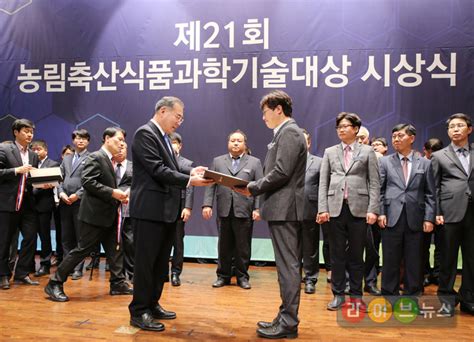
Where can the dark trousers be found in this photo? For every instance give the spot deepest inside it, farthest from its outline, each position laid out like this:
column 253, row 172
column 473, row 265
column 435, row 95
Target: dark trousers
column 128, row 248
column 27, row 220
column 347, row 239
column 58, row 235
column 89, row 236
column 310, row 248
column 286, row 240
column 234, row 233
column 44, row 233
column 178, row 249
column 454, row 235
column 372, row 248
column 326, row 251
column 432, row 272
column 400, row 242
column 70, row 229
column 153, row 243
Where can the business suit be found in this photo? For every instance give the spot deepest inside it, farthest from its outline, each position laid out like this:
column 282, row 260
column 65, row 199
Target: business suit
column 310, row 227
column 25, row 218
column 234, row 212
column 455, row 189
column 348, row 227
column 69, row 213
column 44, row 206
column 98, row 214
column 155, row 206
column 281, row 192
column 128, row 247
column 406, row 205
column 187, row 199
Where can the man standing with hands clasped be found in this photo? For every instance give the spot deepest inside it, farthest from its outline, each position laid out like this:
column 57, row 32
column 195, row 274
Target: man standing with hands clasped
column 281, row 192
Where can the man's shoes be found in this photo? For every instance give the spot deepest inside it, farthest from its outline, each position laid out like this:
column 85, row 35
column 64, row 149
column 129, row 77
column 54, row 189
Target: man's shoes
column 160, row 313
column 328, row 279
column 145, row 322
column 244, row 283
column 120, row 289
column 309, row 287
column 373, row 290
column 220, row 282
column 56, row 262
column 175, row 281
column 336, row 303
column 76, row 275
column 42, row 271
column 95, row 261
column 266, row 325
column 426, row 282
column 276, row 331
column 347, row 290
column 26, row 281
column 55, row 292
column 467, row 308
column 5, row 282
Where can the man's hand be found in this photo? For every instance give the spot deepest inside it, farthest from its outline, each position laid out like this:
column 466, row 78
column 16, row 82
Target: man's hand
column 65, row 198
column 199, row 181
column 322, row 217
column 23, row 169
column 207, row 213
column 382, row 221
column 120, row 195
column 371, row 218
column 256, row 215
column 185, row 214
column 243, row 190
column 73, row 198
column 428, row 226
column 439, row 220
column 198, row 171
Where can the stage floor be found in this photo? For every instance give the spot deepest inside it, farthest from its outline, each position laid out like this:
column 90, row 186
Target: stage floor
column 204, row 313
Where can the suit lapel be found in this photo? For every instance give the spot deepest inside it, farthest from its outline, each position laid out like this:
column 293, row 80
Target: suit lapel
column 414, row 167
column 111, row 166
column 397, row 166
column 16, row 153
column 228, row 163
column 355, row 154
column 79, row 161
column 340, row 155
column 471, row 161
column 454, row 158
column 243, row 161
column 309, row 161
column 163, row 143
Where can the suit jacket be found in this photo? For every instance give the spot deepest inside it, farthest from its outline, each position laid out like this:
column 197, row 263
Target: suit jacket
column 361, row 177
column 187, row 196
column 98, row 207
column 250, row 169
column 10, row 159
column 125, row 184
column 453, row 185
column 282, row 186
column 418, row 196
column 157, row 179
column 45, row 197
column 72, row 183
column 311, row 187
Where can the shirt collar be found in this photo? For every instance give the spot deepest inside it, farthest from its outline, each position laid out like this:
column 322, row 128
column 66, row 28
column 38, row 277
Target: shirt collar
column 21, row 148
column 409, row 157
column 238, row 157
column 159, row 127
column 351, row 145
column 108, row 153
column 456, row 147
column 277, row 128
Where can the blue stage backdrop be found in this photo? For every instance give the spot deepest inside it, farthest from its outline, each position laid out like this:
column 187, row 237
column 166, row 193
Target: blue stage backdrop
column 92, row 64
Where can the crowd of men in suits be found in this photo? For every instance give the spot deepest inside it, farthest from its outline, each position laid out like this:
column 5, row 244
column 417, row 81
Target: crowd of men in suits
column 356, row 193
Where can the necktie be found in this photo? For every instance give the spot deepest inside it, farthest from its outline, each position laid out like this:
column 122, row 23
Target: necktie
column 168, row 143
column 235, row 164
column 405, row 169
column 347, row 161
column 118, row 173
column 75, row 159
column 462, row 155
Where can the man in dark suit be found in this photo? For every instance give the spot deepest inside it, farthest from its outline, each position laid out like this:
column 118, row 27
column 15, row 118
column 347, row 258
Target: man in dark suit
column 310, row 227
column 123, row 172
column 155, row 208
column 235, row 211
column 98, row 216
column 454, row 176
column 44, row 206
column 187, row 198
column 17, row 203
column 281, row 192
column 349, row 191
column 70, row 193
column 407, row 209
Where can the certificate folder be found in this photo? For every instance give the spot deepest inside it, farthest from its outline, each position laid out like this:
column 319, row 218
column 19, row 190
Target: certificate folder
column 48, row 175
column 226, row 180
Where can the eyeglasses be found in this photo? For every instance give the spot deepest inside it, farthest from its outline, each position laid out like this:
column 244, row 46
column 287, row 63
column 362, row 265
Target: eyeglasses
column 459, row 125
column 377, row 144
column 179, row 117
column 344, row 126
column 398, row 136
